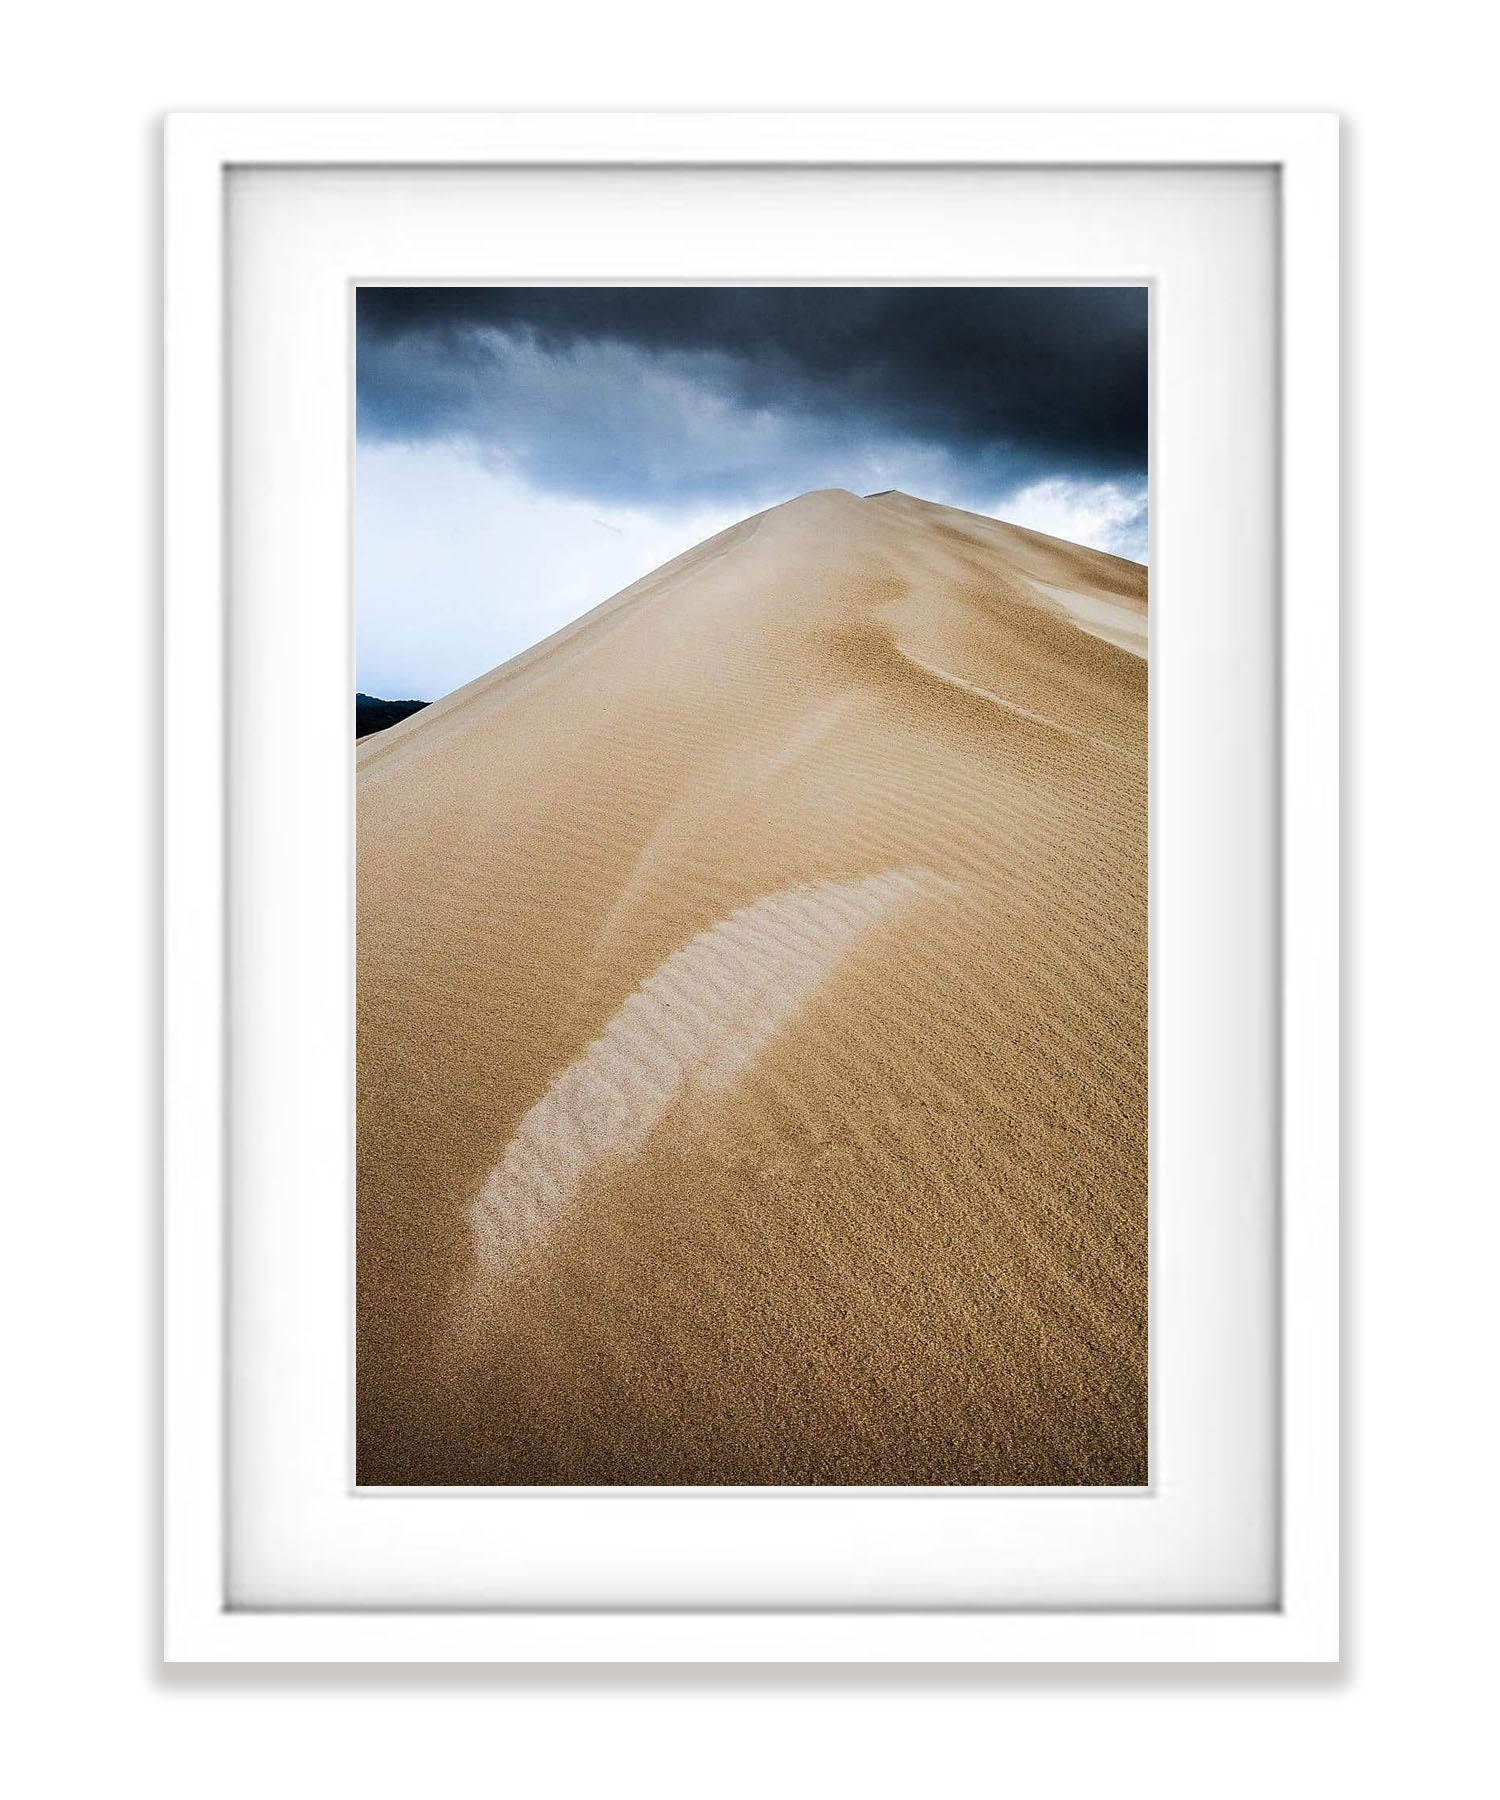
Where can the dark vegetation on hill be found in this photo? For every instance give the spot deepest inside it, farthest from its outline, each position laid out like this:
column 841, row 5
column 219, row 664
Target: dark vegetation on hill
column 377, row 715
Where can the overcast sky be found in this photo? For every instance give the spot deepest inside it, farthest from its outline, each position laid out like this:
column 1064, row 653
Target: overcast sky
column 524, row 453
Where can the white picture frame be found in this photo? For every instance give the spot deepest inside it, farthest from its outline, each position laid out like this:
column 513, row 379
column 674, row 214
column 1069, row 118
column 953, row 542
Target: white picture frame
column 202, row 1623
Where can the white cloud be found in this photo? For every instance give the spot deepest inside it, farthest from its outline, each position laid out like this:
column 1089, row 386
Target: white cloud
column 460, row 565
column 1105, row 515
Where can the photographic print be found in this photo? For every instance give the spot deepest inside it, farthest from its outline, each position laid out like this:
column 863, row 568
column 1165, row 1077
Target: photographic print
column 751, row 869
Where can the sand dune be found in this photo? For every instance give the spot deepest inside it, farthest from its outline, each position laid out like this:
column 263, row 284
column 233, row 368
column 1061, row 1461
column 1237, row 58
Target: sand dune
column 752, row 1026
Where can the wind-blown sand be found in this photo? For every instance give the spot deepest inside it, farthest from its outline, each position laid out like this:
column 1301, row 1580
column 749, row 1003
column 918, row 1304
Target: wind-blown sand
column 752, row 1026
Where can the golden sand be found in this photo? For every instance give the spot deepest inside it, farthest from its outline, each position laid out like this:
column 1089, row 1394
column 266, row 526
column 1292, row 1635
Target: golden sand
column 752, row 1026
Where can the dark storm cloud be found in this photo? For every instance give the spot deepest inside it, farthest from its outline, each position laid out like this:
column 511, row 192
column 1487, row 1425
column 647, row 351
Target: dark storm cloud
column 678, row 393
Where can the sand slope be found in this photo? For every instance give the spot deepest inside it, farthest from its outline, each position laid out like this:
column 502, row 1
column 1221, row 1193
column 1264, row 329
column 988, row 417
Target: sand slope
column 752, row 1026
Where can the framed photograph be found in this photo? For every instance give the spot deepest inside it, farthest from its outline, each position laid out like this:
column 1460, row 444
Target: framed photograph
column 751, row 888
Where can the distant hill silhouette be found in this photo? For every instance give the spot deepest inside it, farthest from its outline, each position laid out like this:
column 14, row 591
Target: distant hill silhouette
column 378, row 715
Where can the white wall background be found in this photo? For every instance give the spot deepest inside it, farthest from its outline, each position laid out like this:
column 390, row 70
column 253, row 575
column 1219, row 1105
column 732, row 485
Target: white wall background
column 78, row 309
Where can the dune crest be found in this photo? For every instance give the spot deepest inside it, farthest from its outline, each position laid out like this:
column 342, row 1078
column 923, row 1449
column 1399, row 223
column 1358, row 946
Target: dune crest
column 752, row 1026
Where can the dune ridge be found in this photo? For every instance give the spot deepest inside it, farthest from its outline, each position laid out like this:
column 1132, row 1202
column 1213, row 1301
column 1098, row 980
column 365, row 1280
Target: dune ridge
column 752, row 1026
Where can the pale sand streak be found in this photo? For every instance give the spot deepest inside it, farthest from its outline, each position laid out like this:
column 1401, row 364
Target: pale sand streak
column 697, row 1021
column 1108, row 620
